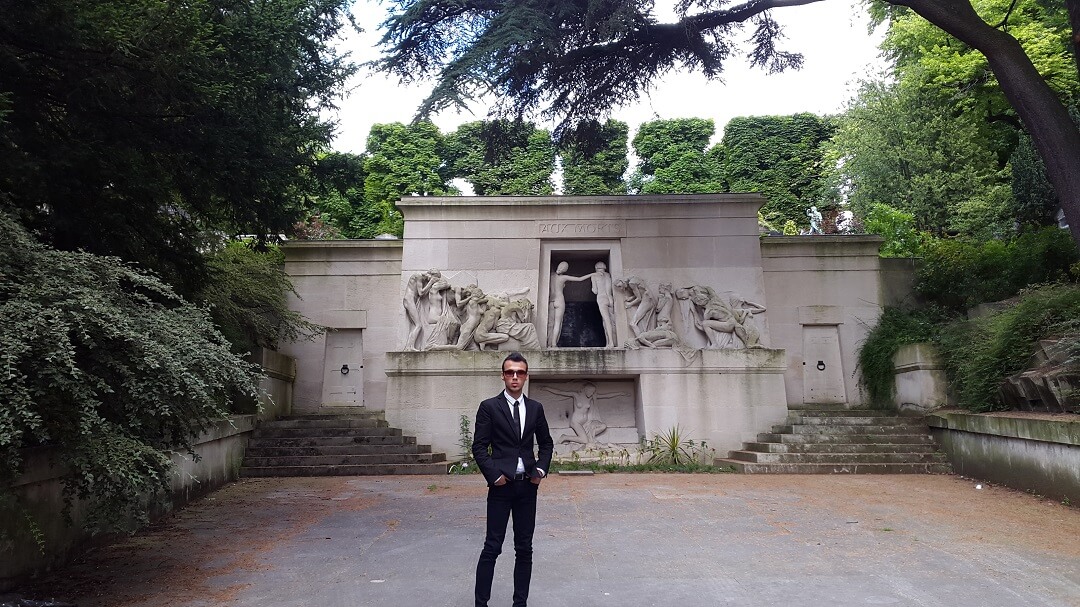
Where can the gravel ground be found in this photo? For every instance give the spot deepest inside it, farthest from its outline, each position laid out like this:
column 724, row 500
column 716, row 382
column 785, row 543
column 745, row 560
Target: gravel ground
column 610, row 539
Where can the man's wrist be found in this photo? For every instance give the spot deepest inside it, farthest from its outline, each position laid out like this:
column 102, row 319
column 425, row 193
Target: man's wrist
column 542, row 473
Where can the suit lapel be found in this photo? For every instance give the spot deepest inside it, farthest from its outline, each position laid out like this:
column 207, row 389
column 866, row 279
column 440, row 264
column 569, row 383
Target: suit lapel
column 504, row 406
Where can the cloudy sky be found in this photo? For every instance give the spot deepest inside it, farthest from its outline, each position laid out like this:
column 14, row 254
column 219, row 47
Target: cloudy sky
column 832, row 35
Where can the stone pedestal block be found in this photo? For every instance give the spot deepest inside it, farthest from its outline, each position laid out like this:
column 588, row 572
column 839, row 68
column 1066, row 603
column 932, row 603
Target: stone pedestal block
column 725, row 397
column 921, row 385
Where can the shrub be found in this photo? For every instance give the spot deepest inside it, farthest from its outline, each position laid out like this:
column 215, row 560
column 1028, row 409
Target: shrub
column 672, row 448
column 895, row 328
column 247, row 293
column 958, row 275
column 108, row 366
column 898, row 229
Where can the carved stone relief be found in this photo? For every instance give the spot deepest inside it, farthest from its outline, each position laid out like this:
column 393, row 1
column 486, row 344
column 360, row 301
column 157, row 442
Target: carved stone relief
column 440, row 316
column 726, row 320
column 445, row 317
column 589, row 415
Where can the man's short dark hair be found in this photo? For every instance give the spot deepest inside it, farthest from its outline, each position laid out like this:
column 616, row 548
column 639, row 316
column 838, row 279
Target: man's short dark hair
column 516, row 357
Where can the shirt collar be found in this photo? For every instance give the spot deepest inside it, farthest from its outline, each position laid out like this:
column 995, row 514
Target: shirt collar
column 510, row 400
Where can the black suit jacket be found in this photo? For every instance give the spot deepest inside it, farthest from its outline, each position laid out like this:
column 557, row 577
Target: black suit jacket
column 495, row 427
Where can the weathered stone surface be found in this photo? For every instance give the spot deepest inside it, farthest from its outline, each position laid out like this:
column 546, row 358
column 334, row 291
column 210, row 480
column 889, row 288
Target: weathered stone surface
column 1032, row 454
column 1050, row 383
column 723, row 396
column 920, row 381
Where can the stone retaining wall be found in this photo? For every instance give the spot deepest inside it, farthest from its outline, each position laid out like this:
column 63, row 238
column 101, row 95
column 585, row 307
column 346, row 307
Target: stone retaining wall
column 1040, row 455
column 40, row 490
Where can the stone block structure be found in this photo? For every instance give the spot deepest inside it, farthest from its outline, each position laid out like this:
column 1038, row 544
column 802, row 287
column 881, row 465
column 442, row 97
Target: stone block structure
column 637, row 313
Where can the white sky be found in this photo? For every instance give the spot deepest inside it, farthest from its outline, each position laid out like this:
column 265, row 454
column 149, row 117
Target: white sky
column 832, row 36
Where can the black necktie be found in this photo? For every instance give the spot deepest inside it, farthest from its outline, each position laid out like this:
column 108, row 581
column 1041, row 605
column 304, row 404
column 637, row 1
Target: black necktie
column 517, row 419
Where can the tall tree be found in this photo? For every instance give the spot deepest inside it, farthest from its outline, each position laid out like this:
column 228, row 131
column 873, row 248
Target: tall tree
column 594, row 159
column 502, row 157
column 336, row 194
column 575, row 60
column 110, row 369
column 904, row 145
column 675, row 158
column 1034, row 200
column 134, row 126
column 780, row 156
column 402, row 159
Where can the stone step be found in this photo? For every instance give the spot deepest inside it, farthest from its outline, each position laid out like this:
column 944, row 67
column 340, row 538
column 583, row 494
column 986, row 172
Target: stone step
column 327, row 412
column 899, row 439
column 876, row 429
column 851, row 420
column 344, row 460
column 361, row 449
column 263, row 432
column 839, row 447
column 818, row 407
column 361, row 470
column 836, row 458
column 327, row 422
column 337, row 441
column 842, row 413
column 755, row 468
column 331, row 441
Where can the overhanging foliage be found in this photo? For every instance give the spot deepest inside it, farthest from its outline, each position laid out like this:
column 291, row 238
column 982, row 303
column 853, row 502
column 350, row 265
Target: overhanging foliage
column 110, row 368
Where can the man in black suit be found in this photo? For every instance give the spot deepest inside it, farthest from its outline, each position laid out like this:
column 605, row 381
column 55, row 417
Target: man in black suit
column 507, row 424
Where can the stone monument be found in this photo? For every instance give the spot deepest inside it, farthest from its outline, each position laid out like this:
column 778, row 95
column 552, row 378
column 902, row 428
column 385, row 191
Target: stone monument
column 603, row 337
column 675, row 301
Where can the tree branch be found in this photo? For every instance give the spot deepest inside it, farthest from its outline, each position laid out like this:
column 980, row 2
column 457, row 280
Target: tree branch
column 1004, row 25
column 739, row 13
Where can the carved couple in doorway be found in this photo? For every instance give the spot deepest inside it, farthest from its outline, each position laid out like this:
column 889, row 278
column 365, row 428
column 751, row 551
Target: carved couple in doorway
column 601, row 288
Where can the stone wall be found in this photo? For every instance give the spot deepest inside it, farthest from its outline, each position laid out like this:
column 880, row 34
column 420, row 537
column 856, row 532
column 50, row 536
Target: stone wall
column 723, row 396
column 277, row 385
column 898, row 280
column 40, row 490
column 1041, row 455
column 354, row 288
column 503, row 243
column 823, row 294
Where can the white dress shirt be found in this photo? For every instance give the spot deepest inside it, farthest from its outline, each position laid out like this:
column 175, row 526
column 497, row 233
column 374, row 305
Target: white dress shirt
column 521, row 417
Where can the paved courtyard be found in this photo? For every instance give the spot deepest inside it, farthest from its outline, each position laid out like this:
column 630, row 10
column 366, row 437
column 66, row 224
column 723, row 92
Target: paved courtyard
column 618, row 540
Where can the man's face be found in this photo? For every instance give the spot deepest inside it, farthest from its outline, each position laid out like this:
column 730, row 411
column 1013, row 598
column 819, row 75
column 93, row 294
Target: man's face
column 514, row 374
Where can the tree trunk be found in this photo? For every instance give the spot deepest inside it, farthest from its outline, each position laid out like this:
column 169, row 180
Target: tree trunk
column 1073, row 6
column 1056, row 137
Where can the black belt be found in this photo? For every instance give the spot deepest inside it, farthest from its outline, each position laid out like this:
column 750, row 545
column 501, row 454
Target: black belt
column 521, row 477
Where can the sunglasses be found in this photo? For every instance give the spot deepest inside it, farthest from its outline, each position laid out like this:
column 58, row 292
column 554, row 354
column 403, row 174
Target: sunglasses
column 515, row 373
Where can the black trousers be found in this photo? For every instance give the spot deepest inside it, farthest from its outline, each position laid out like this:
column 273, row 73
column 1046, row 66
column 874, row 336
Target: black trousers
column 517, row 498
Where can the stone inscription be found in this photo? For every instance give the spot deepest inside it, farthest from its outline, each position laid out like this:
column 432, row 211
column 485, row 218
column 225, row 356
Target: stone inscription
column 581, row 229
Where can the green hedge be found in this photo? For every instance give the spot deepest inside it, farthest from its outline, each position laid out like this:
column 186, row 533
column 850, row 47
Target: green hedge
column 957, row 274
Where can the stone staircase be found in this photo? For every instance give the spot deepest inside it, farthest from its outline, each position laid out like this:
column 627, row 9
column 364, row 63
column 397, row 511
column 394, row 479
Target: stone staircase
column 336, row 443
column 824, row 440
